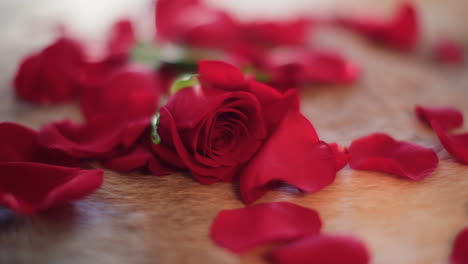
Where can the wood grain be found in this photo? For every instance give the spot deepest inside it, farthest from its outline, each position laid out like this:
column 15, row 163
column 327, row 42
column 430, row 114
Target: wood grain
column 139, row 218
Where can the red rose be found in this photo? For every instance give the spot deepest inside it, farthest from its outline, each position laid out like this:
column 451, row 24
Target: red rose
column 48, row 77
column 231, row 126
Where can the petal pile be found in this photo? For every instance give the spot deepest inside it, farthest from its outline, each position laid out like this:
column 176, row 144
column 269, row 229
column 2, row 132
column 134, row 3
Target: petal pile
column 33, row 178
column 380, row 152
column 242, row 229
column 459, row 253
column 322, row 249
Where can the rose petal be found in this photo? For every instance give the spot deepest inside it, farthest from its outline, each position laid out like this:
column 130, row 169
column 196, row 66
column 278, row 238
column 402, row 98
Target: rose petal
column 341, row 155
column 242, row 229
column 293, row 154
column 128, row 93
column 121, row 39
column 19, row 143
column 380, row 152
column 27, row 187
column 322, row 249
column 220, row 75
column 48, row 77
column 401, row 32
column 456, row 145
column 459, row 253
column 450, row 52
column 91, row 140
column 448, row 117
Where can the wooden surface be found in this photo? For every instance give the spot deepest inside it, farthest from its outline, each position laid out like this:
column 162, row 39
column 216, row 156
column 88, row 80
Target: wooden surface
column 144, row 219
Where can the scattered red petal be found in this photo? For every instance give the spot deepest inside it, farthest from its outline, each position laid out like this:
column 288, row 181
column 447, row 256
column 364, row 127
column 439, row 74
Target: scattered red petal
column 121, row 40
column 341, row 155
column 456, row 145
column 28, row 188
column 450, row 52
column 459, row 253
column 322, row 249
column 128, row 93
column 448, row 117
column 294, row 155
column 20, row 144
column 401, row 32
column 242, row 229
column 92, row 140
column 380, row 152
column 48, row 77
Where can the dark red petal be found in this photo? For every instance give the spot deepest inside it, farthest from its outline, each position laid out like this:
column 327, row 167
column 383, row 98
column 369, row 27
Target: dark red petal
column 91, row 140
column 135, row 159
column 221, row 75
column 449, row 51
column 380, row 152
column 456, row 145
column 293, row 154
column 242, row 229
column 19, row 143
column 459, row 253
column 448, row 117
column 322, row 249
column 27, row 187
column 341, row 155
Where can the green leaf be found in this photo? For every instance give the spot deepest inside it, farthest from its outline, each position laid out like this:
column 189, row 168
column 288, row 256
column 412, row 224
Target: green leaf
column 260, row 76
column 154, row 126
column 184, row 81
column 146, row 53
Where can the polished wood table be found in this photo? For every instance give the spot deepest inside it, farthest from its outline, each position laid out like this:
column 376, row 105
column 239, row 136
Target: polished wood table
column 138, row 218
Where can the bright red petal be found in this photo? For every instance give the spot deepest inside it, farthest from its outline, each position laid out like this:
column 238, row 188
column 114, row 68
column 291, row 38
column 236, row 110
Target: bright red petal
column 242, row 229
column 121, row 40
column 293, row 154
column 322, row 249
column 456, row 145
column 27, row 187
column 459, row 253
column 448, row 117
column 380, row 152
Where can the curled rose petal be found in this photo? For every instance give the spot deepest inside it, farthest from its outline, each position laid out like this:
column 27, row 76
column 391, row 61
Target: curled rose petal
column 27, row 187
column 19, row 143
column 221, row 75
column 402, row 31
column 448, row 117
column 293, row 154
column 459, row 253
column 322, row 249
column 91, row 140
column 48, row 77
column 450, row 52
column 456, row 145
column 341, row 155
column 242, row 229
column 380, row 152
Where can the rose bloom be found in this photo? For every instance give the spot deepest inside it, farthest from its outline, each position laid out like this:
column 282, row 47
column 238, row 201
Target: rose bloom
column 216, row 127
column 229, row 126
